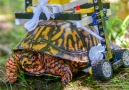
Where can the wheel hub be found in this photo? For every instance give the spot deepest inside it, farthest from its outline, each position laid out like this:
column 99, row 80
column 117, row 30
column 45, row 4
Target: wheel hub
column 107, row 69
column 126, row 58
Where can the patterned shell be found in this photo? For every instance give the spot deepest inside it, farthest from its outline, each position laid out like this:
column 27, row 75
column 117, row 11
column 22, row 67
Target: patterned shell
column 61, row 39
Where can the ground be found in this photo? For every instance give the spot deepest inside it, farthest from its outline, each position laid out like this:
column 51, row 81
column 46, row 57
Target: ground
column 81, row 81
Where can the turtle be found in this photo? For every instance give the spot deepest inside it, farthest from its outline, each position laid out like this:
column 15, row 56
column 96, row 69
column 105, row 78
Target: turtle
column 58, row 48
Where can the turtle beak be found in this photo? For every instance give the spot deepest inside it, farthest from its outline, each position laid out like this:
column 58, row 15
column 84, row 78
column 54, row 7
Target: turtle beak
column 25, row 61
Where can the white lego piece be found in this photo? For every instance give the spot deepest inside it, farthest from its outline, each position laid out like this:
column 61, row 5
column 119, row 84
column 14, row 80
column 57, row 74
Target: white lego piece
column 86, row 70
column 17, row 21
column 73, row 3
column 55, row 9
column 78, row 23
column 20, row 21
column 96, row 53
column 87, row 20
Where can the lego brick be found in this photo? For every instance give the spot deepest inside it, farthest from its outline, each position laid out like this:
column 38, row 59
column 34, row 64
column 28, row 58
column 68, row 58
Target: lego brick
column 73, row 3
column 28, row 3
column 89, row 5
column 58, row 1
column 85, row 21
column 58, row 16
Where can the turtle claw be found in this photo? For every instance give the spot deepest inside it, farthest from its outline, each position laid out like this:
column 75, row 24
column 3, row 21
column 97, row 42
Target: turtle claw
column 65, row 80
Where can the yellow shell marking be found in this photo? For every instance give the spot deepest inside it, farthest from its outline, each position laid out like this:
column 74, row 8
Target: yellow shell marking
column 53, row 51
column 23, row 44
column 74, row 36
column 36, row 30
column 80, row 44
column 65, row 40
column 39, row 46
column 26, row 44
column 60, row 42
column 68, row 31
column 76, row 47
column 59, row 33
column 94, row 40
column 70, row 45
column 85, row 33
column 38, row 33
column 44, row 33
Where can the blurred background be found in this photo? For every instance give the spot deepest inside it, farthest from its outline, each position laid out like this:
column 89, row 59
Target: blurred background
column 11, row 34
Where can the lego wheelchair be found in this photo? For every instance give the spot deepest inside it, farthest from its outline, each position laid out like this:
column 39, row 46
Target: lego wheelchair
column 82, row 13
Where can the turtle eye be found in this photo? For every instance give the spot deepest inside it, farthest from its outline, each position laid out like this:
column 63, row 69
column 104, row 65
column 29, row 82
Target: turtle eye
column 33, row 58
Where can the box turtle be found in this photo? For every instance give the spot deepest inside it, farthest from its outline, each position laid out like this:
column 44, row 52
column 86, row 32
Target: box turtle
column 55, row 47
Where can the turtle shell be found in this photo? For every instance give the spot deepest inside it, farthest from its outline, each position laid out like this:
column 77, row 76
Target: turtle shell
column 61, row 39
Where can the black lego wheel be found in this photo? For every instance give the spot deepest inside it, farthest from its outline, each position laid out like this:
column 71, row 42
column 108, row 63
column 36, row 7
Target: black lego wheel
column 125, row 58
column 102, row 70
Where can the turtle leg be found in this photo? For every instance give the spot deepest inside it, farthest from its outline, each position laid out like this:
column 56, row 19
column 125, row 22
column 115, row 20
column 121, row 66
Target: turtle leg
column 62, row 70
column 12, row 68
column 66, row 75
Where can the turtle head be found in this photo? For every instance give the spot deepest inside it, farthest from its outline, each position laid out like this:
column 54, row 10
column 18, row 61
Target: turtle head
column 28, row 59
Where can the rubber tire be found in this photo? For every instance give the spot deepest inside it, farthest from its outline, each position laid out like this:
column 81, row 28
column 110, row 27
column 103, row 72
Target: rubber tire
column 124, row 65
column 97, row 70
